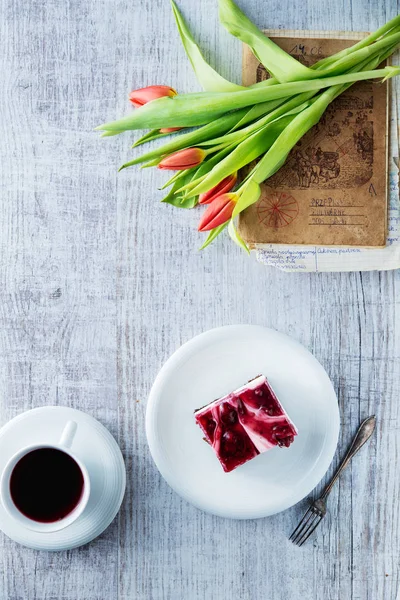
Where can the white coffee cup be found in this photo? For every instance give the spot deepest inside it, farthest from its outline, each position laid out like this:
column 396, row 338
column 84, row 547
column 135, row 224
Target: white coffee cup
column 63, row 445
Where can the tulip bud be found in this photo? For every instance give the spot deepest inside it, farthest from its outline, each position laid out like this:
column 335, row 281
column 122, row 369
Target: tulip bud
column 183, row 159
column 218, row 212
column 170, row 129
column 222, row 187
column 149, row 93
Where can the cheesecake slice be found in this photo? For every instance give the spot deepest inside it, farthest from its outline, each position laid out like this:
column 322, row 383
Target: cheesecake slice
column 245, row 423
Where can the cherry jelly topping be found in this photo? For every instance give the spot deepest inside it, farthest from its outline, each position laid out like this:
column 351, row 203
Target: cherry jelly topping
column 232, row 443
column 228, row 414
column 211, row 425
column 245, row 423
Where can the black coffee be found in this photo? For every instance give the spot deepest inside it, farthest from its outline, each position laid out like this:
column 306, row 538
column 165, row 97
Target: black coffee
column 46, row 485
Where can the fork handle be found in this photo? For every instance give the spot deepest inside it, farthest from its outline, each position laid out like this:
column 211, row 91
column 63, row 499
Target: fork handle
column 363, row 434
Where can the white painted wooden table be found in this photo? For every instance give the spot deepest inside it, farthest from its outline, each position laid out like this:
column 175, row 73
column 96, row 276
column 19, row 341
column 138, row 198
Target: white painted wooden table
column 99, row 284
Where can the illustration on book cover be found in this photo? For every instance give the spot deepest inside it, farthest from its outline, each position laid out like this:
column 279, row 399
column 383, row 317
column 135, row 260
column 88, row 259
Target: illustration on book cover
column 335, row 153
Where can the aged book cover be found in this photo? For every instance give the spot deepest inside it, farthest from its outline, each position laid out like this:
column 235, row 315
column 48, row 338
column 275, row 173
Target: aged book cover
column 333, row 188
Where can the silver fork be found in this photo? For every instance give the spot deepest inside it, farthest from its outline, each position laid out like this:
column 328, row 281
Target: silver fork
column 317, row 510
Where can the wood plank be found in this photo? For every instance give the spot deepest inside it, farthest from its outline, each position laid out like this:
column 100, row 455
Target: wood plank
column 58, row 255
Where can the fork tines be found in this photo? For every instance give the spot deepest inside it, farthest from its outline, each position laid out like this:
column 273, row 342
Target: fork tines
column 307, row 525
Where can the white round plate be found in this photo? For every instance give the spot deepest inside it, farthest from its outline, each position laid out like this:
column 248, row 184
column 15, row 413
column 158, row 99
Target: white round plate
column 213, row 364
column 95, row 446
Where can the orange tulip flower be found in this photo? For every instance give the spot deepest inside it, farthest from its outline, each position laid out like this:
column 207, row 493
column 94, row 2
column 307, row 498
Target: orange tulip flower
column 218, row 212
column 183, row 159
column 222, row 187
column 170, row 129
column 149, row 93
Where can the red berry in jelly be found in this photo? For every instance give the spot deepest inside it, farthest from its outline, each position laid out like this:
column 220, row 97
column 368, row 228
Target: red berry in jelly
column 211, row 425
column 228, row 414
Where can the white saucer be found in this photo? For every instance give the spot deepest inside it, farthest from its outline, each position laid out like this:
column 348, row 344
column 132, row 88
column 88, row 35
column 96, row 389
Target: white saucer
column 99, row 451
column 215, row 363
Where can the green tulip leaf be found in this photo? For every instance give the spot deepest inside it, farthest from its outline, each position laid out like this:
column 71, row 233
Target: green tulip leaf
column 250, row 194
column 236, row 237
column 209, row 79
column 154, row 134
column 212, row 235
column 180, row 201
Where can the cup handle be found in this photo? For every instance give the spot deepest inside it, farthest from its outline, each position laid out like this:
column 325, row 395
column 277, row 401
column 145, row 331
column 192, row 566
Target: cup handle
column 68, row 434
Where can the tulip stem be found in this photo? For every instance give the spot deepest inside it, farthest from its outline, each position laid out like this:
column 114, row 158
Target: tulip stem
column 187, row 110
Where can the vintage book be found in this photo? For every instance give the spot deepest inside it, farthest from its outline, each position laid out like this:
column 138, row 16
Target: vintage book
column 332, row 189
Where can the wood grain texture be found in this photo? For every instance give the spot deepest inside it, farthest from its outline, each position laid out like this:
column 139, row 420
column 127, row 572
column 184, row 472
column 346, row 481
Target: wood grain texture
column 99, row 284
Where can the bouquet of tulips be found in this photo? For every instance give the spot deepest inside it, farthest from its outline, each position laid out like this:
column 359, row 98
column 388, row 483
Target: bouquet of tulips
column 229, row 126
